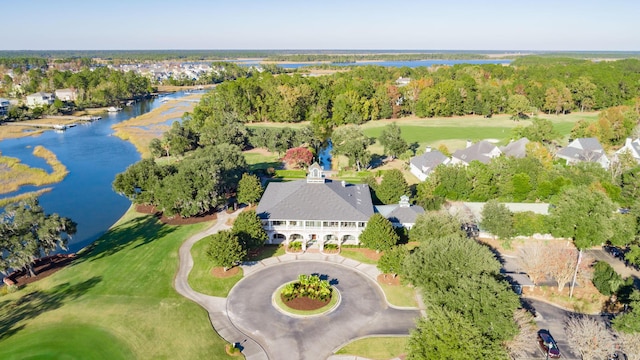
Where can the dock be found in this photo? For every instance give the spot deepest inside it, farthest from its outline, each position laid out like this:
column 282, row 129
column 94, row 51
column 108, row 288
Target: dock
column 49, row 126
column 71, row 117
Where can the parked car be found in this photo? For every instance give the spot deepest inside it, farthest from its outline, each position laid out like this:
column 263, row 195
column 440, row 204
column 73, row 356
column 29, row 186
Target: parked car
column 548, row 344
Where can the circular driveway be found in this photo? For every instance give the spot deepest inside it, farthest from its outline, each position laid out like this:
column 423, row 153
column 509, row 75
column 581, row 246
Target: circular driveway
column 362, row 312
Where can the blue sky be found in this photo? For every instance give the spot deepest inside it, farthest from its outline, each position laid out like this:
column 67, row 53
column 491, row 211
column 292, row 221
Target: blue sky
column 332, row 24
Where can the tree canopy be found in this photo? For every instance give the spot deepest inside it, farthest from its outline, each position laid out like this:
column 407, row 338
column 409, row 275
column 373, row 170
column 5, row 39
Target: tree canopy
column 27, row 233
column 379, row 234
column 224, row 249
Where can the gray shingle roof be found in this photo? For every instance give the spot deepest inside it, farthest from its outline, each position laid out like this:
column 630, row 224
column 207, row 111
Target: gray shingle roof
column 300, row 200
column 516, row 149
column 582, row 149
column 477, row 151
column 589, row 144
column 429, row 160
column 400, row 214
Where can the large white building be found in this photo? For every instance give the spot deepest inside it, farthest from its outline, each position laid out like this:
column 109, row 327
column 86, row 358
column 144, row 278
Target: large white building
column 317, row 211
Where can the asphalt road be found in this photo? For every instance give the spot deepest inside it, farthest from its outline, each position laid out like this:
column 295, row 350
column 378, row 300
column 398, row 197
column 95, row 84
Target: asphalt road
column 363, row 311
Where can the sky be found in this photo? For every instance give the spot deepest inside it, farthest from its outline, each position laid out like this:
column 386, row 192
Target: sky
column 570, row 25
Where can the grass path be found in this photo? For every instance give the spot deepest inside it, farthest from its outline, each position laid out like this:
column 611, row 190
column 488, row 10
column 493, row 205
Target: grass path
column 119, row 296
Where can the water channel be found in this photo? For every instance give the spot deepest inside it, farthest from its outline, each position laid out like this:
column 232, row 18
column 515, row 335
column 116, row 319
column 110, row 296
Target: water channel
column 93, row 157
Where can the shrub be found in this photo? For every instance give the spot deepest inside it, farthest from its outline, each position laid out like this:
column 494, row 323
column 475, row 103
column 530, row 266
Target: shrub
column 528, row 223
column 296, row 245
column 309, row 286
column 331, row 246
column 605, row 279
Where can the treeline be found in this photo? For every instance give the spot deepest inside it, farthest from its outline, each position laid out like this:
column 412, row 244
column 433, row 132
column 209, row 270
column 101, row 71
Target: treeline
column 99, row 87
column 371, row 93
column 370, row 57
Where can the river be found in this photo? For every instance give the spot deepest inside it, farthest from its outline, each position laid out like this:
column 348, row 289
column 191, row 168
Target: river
column 93, row 157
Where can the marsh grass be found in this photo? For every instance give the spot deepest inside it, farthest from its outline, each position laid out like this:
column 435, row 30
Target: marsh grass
column 14, row 174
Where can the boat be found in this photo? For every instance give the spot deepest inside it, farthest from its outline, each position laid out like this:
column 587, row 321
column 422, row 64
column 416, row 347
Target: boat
column 130, row 102
column 164, row 99
column 114, row 109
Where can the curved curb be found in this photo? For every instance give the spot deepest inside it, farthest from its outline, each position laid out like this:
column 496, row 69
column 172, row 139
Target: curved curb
column 338, row 356
column 341, row 262
column 560, row 306
column 298, row 316
column 216, row 307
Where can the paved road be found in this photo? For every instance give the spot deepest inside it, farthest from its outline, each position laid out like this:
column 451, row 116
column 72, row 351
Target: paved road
column 617, row 264
column 363, row 311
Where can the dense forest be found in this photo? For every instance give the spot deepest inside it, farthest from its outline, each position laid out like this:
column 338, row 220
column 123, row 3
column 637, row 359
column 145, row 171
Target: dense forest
column 366, row 93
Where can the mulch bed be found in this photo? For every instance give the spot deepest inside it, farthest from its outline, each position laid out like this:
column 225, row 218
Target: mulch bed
column 304, row 303
column 219, row 272
column 388, row 279
column 177, row 219
column 43, row 268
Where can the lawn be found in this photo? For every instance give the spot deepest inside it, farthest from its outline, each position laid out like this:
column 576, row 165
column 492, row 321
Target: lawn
column 116, row 299
column 200, row 278
column 454, row 131
column 357, row 255
column 399, row 295
column 376, row 348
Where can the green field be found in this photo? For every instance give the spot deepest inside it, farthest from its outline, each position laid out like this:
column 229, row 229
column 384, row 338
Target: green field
column 115, row 301
column 200, row 278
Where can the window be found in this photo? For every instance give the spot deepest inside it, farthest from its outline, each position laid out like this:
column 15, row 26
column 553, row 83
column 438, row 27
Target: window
column 331, row 224
column 348, row 224
column 293, row 223
column 277, row 222
column 362, row 224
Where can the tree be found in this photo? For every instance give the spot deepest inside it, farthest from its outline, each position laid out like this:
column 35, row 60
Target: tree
column 606, row 279
column 433, row 225
column 629, row 322
column 392, row 260
column 497, row 219
column 351, row 142
column 447, row 335
column 518, row 105
column 540, row 130
column 379, row 234
column 225, row 250
column 249, row 189
column 630, row 344
column 392, row 187
column 521, row 346
column 298, row 157
column 533, row 259
column 27, row 233
column 248, row 228
column 591, row 337
column 392, row 141
column 562, row 265
column 583, row 215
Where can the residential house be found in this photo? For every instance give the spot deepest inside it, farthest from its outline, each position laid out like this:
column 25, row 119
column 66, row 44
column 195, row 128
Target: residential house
column 66, row 94
column 402, row 214
column 422, row 165
column 516, row 149
column 315, row 210
column 40, row 99
column 4, row 107
column 584, row 150
column 482, row 151
column 632, row 147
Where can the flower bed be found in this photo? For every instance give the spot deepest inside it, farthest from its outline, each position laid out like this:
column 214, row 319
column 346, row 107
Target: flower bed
column 308, row 293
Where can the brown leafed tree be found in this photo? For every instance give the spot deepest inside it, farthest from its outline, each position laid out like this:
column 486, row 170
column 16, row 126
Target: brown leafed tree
column 591, row 337
column 533, row 260
column 521, row 345
column 561, row 264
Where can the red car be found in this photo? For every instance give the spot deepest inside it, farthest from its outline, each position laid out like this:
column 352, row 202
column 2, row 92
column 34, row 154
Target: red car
column 548, row 345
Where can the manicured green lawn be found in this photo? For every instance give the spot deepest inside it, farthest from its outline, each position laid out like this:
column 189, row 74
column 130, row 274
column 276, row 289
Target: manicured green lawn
column 65, row 341
column 376, row 348
column 402, row 295
column 200, row 278
column 259, row 161
column 355, row 255
column 120, row 291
